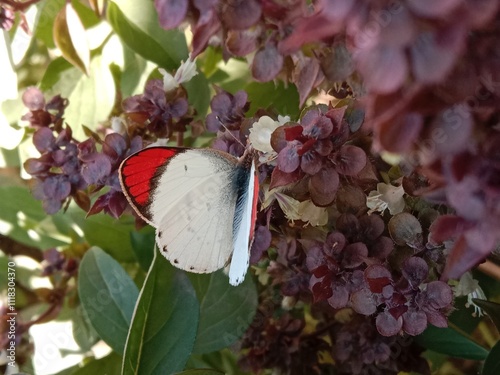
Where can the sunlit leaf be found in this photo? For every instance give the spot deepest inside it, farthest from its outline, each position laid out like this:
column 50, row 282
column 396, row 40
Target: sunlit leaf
column 69, row 37
column 91, row 98
column 137, row 25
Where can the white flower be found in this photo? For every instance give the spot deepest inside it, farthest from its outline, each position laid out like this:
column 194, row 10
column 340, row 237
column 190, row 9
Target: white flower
column 186, row 71
column 260, row 133
column 293, row 209
column 118, row 125
column 386, row 196
column 312, row 214
column 467, row 286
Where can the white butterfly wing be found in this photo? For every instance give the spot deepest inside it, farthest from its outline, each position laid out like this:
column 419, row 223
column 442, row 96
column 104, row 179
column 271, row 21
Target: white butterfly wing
column 244, row 234
column 193, row 210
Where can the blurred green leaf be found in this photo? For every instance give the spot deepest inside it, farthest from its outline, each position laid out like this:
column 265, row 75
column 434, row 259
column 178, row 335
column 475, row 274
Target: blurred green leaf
column 70, row 38
column 135, row 73
column 284, row 100
column 163, row 328
column 53, row 73
column 492, row 363
column 91, row 98
column 22, row 218
column 137, row 25
column 462, row 316
column 83, row 332
column 492, row 309
column 198, row 94
column 200, row 371
column 109, row 234
column 143, row 245
column 48, row 11
column 109, row 365
column 449, row 341
column 225, row 311
column 108, row 295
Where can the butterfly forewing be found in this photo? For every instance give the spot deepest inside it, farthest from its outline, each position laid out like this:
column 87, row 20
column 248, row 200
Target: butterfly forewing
column 191, row 202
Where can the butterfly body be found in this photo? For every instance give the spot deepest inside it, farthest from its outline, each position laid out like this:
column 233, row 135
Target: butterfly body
column 202, row 203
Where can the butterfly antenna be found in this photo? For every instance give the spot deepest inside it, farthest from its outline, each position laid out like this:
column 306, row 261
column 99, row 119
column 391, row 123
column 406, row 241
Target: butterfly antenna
column 229, row 131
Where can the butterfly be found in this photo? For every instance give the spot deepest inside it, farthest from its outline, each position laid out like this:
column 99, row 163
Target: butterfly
column 202, row 203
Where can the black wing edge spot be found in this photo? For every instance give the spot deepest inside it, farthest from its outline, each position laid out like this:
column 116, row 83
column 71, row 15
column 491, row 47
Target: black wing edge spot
column 165, row 249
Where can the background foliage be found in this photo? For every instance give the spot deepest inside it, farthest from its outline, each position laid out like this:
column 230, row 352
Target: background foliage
column 380, row 189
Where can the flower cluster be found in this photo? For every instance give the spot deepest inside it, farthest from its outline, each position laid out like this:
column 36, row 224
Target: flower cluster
column 318, row 148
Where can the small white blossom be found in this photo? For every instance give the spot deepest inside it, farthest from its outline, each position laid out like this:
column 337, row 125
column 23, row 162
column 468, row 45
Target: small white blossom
column 386, row 196
column 118, row 125
column 293, row 209
column 312, row 214
column 260, row 134
column 467, row 286
column 186, row 71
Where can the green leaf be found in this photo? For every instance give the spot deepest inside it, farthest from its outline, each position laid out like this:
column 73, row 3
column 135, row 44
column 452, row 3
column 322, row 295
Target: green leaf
column 163, row 328
column 109, row 234
column 70, row 38
column 200, row 371
column 23, row 219
column 108, row 295
column 83, row 332
column 91, row 98
column 221, row 327
column 492, row 363
column 285, row 100
column 143, row 245
column 109, row 365
column 198, row 94
column 137, row 25
column 449, row 341
column 491, row 308
column 136, row 71
column 53, row 73
column 44, row 25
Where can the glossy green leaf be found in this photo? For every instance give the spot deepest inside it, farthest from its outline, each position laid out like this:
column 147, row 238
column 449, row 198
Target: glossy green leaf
column 70, row 38
column 492, row 363
column 200, row 371
column 109, row 234
column 225, row 311
column 143, row 245
column 137, row 25
column 163, row 328
column 109, row 365
column 449, row 341
column 108, row 295
column 492, row 309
